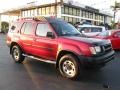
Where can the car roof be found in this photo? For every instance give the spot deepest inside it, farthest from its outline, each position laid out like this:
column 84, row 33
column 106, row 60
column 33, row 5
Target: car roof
column 41, row 19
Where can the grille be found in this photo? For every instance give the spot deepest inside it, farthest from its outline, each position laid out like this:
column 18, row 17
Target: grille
column 107, row 48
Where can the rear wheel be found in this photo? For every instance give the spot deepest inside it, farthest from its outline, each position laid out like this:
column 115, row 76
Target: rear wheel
column 17, row 54
column 69, row 66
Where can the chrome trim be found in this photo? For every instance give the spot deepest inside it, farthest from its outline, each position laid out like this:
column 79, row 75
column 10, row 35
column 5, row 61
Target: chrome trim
column 43, row 60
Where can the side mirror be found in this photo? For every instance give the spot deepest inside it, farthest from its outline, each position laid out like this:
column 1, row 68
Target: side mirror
column 50, row 35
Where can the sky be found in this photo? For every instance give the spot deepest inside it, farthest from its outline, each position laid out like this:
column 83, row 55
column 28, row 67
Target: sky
column 103, row 5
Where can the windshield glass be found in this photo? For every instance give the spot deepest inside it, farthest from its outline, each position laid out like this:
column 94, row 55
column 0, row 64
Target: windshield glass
column 64, row 29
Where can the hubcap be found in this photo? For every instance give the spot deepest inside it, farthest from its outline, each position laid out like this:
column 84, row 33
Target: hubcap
column 69, row 68
column 16, row 54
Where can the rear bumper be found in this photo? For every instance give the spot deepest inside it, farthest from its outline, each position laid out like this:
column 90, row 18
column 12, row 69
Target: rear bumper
column 97, row 60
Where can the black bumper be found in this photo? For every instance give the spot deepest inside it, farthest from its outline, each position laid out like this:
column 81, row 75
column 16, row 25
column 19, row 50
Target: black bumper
column 97, row 60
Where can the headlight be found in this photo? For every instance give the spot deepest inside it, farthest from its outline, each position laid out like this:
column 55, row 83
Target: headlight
column 98, row 49
column 95, row 50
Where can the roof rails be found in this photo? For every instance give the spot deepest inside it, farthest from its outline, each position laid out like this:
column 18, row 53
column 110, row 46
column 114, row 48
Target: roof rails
column 38, row 18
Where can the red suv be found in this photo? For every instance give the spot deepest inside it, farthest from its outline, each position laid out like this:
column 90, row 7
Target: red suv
column 56, row 41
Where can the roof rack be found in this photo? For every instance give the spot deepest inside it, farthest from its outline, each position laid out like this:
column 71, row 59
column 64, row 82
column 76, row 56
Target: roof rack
column 37, row 18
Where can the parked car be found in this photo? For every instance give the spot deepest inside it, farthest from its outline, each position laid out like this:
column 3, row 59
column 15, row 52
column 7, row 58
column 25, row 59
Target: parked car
column 113, row 36
column 56, row 41
column 91, row 30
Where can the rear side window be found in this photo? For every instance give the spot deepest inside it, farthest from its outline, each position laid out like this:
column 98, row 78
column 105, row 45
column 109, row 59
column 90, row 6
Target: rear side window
column 42, row 29
column 27, row 28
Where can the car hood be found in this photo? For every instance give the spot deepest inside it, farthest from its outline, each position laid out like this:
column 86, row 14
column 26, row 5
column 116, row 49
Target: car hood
column 89, row 40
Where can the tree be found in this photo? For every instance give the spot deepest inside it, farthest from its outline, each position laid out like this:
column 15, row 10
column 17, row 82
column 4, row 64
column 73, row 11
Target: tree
column 4, row 27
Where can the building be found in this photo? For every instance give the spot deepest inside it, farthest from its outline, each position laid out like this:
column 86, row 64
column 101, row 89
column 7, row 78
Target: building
column 69, row 11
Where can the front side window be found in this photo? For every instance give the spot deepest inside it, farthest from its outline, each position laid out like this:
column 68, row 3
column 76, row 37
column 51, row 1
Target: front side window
column 42, row 29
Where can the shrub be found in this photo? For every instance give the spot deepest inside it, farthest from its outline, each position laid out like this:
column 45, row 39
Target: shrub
column 4, row 27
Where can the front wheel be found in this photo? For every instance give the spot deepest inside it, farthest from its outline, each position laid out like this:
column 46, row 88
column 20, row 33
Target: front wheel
column 69, row 66
column 17, row 54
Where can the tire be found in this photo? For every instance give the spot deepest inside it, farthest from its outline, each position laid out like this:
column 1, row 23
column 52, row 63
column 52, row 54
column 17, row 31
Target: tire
column 17, row 54
column 69, row 67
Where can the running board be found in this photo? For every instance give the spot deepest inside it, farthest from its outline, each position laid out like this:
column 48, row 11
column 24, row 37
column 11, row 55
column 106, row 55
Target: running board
column 43, row 60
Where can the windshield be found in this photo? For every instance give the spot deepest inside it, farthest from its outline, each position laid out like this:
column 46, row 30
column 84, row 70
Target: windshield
column 64, row 29
column 90, row 29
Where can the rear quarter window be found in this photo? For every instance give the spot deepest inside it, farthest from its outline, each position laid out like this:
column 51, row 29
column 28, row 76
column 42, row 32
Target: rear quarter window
column 15, row 27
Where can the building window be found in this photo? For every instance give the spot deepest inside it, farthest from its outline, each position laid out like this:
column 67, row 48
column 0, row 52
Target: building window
column 40, row 11
column 29, row 13
column 83, row 13
column 52, row 9
column 78, row 12
column 102, row 18
column 47, row 10
column 96, row 16
column 91, row 15
column 25, row 13
column 74, row 20
column 43, row 11
column 32, row 12
column 75, row 11
column 66, row 19
column 66, row 10
column 71, row 20
column 62, row 10
column 86, row 14
column 70, row 11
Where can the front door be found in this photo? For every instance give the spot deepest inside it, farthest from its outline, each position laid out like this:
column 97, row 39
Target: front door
column 44, row 46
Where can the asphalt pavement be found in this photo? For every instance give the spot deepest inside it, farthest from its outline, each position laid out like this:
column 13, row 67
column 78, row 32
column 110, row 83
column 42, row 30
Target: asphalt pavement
column 36, row 75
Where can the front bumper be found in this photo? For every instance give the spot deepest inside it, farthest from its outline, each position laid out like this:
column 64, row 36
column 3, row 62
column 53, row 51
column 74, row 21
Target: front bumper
column 97, row 60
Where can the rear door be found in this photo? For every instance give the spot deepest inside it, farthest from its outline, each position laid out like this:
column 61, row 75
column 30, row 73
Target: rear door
column 44, row 46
